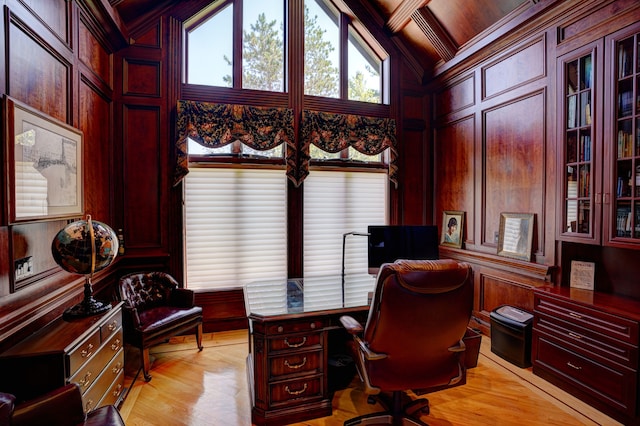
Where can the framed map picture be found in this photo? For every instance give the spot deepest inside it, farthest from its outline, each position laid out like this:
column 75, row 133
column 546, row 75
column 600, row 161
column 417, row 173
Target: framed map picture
column 44, row 165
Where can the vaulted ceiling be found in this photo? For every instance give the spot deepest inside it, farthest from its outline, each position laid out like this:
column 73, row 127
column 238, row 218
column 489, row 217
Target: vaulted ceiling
column 430, row 31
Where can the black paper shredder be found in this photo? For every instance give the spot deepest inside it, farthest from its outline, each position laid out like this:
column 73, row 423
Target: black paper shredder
column 511, row 334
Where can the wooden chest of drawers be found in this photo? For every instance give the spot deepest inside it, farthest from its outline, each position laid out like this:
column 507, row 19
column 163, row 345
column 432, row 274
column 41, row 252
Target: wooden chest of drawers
column 87, row 351
column 587, row 344
column 289, row 360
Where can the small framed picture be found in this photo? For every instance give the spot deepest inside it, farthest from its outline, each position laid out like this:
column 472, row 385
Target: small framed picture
column 582, row 275
column 516, row 235
column 452, row 228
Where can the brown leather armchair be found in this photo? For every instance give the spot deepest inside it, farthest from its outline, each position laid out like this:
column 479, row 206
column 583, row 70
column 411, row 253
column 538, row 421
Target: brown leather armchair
column 60, row 407
column 156, row 309
column 413, row 335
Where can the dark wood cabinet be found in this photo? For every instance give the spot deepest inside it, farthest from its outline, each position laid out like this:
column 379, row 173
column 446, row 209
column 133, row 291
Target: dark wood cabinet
column 87, row 351
column 587, row 344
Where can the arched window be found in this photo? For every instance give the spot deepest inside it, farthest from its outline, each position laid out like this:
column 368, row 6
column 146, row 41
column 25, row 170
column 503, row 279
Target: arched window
column 260, row 62
column 236, row 193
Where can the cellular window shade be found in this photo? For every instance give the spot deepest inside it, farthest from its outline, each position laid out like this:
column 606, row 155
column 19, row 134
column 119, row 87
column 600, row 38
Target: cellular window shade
column 235, row 226
column 336, row 202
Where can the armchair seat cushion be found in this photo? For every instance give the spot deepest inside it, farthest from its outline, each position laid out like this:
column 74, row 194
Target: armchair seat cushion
column 165, row 317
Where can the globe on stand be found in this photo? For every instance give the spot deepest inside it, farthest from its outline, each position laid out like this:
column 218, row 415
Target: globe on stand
column 84, row 247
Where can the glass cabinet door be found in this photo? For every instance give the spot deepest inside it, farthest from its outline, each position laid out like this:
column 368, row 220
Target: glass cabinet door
column 578, row 176
column 624, row 222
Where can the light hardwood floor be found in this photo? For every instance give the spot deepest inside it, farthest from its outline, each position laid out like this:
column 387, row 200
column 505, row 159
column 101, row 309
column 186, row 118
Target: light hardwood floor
column 210, row 388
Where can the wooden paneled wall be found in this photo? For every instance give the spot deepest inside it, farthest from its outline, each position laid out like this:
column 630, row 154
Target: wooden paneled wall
column 495, row 149
column 59, row 61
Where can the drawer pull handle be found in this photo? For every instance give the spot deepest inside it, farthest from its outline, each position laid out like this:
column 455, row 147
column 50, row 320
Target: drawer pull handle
column 575, row 336
column 575, row 367
column 116, row 368
column 115, row 345
column 85, row 380
column 573, row 314
column 296, row 366
column 113, row 325
column 117, row 390
column 295, row 345
column 86, row 353
column 294, row 393
column 89, row 405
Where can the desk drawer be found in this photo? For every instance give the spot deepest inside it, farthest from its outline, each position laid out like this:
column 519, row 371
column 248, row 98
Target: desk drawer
column 103, row 383
column 91, row 370
column 296, row 390
column 590, row 344
column 616, row 387
column 598, row 321
column 111, row 325
column 113, row 393
column 288, row 343
column 81, row 353
column 296, row 363
column 295, row 327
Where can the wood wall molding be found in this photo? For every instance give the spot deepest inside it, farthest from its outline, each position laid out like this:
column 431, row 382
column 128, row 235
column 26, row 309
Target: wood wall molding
column 105, row 18
column 435, row 32
column 402, row 14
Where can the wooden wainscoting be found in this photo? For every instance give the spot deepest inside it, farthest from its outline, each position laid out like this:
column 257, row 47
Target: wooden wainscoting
column 222, row 309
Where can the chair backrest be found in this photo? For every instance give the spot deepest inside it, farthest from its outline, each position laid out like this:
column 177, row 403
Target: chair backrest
column 145, row 290
column 420, row 309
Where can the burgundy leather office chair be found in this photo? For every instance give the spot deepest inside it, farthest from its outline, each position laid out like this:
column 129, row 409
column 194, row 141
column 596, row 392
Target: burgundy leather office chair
column 413, row 335
column 60, row 407
column 156, row 309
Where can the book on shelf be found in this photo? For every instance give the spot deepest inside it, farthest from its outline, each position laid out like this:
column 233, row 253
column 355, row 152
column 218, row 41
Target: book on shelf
column 625, row 61
column 623, row 222
column 625, row 103
column 625, row 144
column 585, row 148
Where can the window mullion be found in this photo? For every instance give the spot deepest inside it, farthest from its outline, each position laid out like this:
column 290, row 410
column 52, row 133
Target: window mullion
column 237, row 44
column 344, row 56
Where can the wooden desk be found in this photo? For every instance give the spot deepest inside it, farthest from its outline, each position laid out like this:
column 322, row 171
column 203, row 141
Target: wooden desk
column 289, row 326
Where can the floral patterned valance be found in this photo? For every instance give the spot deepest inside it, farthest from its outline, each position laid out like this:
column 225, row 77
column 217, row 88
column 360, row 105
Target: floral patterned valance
column 335, row 132
column 215, row 125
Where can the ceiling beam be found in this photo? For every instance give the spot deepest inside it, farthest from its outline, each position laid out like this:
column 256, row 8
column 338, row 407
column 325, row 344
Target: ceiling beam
column 402, row 14
column 435, row 32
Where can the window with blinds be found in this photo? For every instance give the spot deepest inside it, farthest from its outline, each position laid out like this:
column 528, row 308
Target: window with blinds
column 337, row 202
column 235, row 226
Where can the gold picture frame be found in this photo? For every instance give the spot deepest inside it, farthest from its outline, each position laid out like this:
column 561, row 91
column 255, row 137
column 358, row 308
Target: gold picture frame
column 44, row 165
column 452, row 228
column 516, row 235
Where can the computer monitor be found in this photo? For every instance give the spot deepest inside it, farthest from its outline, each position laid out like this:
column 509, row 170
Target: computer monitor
column 390, row 243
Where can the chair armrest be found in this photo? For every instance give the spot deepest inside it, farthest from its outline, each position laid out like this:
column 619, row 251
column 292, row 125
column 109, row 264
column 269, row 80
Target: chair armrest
column 7, row 402
column 131, row 317
column 182, row 298
column 62, row 406
column 369, row 355
column 461, row 347
column 351, row 325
